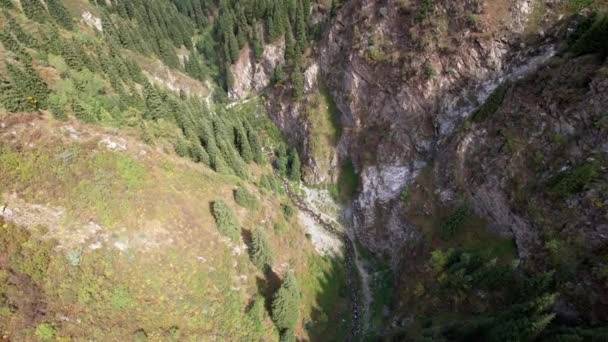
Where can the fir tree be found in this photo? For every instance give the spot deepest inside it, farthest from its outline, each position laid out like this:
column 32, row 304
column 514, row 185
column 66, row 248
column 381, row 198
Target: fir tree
column 242, row 143
column 8, row 4
column 154, row 103
column 182, row 148
column 31, row 89
column 11, row 100
column 82, row 113
column 254, row 143
column 260, row 250
column 60, row 13
column 22, row 36
column 298, row 83
column 225, row 220
column 282, row 161
column 285, row 304
column 294, row 165
column 34, row 10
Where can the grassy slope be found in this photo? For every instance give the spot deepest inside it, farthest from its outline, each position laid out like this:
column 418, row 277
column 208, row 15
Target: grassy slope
column 156, row 266
column 160, row 261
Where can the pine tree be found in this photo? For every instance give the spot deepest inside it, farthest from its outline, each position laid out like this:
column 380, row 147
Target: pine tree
column 285, row 303
column 225, row 220
column 294, row 165
column 60, row 13
column 282, row 161
column 31, row 89
column 82, row 113
column 242, row 143
column 298, row 83
column 58, row 111
column 154, row 104
column 73, row 55
column 198, row 153
column 16, row 29
column 231, row 157
column 51, row 41
column 8, row 4
column 181, row 147
column 254, row 143
column 34, row 10
column 10, row 98
column 260, row 250
column 300, row 26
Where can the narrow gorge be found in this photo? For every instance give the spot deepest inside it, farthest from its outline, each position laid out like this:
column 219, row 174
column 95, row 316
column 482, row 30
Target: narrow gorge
column 303, row 170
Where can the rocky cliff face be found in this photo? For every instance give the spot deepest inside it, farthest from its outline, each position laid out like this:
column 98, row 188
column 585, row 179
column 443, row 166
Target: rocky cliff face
column 536, row 169
column 255, row 75
column 414, row 74
column 407, row 79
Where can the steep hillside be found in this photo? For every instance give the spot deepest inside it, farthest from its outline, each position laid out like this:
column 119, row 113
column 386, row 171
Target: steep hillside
column 263, row 170
column 136, row 204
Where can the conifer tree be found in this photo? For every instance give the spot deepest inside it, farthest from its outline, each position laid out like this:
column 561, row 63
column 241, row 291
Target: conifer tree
column 242, row 143
column 51, row 41
column 300, row 26
column 60, row 13
column 16, row 29
column 298, row 83
column 31, row 89
column 181, row 147
column 34, row 10
column 154, row 104
column 285, row 304
column 82, row 113
column 11, row 100
column 225, row 220
column 294, row 165
column 260, row 251
column 254, row 143
column 73, row 55
column 232, row 158
column 282, row 161
column 8, row 4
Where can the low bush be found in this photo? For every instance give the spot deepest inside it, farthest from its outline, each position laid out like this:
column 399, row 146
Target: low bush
column 245, row 198
column 450, row 226
column 287, row 211
column 492, row 103
column 574, row 180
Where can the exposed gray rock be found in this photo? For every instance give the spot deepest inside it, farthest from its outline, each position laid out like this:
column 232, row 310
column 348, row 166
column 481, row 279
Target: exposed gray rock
column 249, row 75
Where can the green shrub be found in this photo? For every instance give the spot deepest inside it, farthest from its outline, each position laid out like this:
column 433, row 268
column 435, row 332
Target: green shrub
column 404, row 195
column 45, row 331
column 450, row 226
column 260, row 250
column 427, row 7
column 574, row 180
column 280, row 227
column 225, row 219
column 272, row 184
column 121, row 298
column 429, row 71
column 287, row 211
column 492, row 103
column 245, row 198
column 592, row 36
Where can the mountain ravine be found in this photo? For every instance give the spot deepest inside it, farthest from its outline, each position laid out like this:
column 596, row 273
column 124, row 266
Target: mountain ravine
column 304, row 170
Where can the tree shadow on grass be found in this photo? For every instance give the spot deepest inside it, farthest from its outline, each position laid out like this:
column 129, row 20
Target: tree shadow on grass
column 331, row 316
